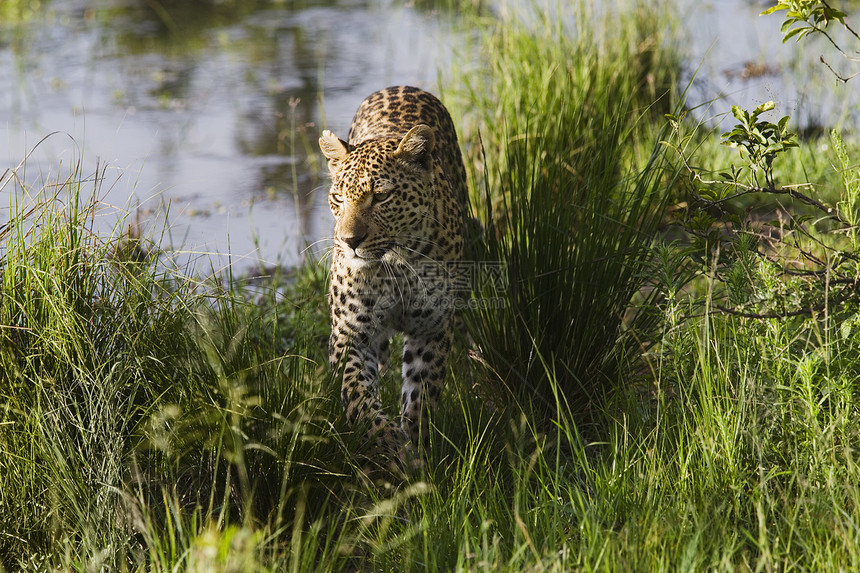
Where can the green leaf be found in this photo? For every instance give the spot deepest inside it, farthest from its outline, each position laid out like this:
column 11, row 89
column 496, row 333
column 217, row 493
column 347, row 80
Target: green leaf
column 837, row 15
column 845, row 327
column 708, row 194
column 766, row 106
column 737, row 134
column 773, row 9
column 793, row 33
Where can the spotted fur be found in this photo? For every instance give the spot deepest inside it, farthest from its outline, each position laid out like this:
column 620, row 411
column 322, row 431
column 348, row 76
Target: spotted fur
column 397, row 193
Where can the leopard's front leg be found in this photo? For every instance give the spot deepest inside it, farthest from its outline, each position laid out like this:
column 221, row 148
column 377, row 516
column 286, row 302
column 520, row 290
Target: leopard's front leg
column 425, row 359
column 355, row 358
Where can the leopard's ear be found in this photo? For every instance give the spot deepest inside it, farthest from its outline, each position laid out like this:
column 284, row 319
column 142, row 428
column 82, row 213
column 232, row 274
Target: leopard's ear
column 417, row 145
column 334, row 149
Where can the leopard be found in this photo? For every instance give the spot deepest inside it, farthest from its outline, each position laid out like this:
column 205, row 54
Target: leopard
column 398, row 196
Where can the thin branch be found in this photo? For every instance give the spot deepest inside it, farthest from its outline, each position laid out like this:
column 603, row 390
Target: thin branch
column 839, row 77
column 844, row 24
column 790, row 190
column 823, row 31
column 845, row 295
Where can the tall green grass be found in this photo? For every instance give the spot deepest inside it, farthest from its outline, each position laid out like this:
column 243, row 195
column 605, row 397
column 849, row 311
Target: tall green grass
column 83, row 340
column 151, row 422
column 142, row 411
column 573, row 190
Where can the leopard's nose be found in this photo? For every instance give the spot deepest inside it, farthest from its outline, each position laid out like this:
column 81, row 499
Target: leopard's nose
column 354, row 241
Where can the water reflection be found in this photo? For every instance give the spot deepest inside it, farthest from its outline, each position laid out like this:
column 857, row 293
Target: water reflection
column 212, row 107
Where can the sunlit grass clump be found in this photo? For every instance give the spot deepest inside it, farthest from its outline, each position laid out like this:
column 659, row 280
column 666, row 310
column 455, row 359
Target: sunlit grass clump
column 573, row 188
column 142, row 410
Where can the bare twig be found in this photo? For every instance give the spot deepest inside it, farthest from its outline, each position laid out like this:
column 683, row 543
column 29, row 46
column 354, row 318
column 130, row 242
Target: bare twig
column 840, row 77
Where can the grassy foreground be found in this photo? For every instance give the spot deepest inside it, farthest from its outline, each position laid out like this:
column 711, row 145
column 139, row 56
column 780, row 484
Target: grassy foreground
column 150, row 422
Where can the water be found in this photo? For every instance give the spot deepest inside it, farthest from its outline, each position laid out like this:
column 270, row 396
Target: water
column 210, row 113
column 738, row 57
column 219, row 122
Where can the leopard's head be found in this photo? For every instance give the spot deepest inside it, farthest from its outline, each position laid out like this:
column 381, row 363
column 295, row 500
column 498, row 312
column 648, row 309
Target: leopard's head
column 381, row 193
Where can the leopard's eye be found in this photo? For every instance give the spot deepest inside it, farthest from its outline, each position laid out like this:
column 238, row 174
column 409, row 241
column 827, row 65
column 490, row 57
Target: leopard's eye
column 380, row 198
column 336, row 198
column 381, row 190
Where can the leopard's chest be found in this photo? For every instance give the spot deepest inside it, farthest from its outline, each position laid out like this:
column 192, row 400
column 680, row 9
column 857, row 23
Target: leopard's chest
column 410, row 298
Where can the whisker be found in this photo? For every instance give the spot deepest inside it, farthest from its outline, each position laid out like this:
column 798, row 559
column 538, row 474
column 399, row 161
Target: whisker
column 309, row 246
